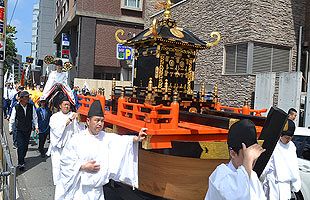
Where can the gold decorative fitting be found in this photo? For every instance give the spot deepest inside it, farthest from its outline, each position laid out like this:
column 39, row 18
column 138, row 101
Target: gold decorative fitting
column 135, row 73
column 232, row 121
column 113, row 86
column 49, row 59
column 166, row 85
column 202, row 92
column 192, row 110
column 285, row 128
column 156, row 71
column 167, row 6
column 177, row 32
column 150, row 85
column 175, row 96
column 217, row 40
column 67, row 66
column 122, row 93
column 122, row 32
column 152, row 29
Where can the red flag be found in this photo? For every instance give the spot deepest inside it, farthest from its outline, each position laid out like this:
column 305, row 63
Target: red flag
column 22, row 80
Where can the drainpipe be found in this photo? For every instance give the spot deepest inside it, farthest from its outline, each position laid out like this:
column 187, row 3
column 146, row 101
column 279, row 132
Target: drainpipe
column 299, row 49
column 78, row 49
column 307, row 68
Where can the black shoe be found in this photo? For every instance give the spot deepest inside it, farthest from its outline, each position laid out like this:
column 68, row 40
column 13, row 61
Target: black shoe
column 21, row 167
column 43, row 155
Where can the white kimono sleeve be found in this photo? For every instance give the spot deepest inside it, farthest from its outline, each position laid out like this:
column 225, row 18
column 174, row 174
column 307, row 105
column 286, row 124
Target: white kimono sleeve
column 59, row 135
column 70, row 165
column 123, row 159
column 58, row 126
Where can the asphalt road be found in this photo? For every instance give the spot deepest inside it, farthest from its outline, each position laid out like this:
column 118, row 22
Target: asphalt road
column 36, row 182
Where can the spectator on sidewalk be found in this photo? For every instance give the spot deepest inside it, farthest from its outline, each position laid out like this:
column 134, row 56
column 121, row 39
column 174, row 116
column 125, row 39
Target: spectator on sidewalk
column 44, row 115
column 14, row 102
column 24, row 116
column 7, row 97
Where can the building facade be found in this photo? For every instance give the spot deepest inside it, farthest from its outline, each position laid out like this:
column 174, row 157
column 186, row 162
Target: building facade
column 34, row 38
column 18, row 67
column 46, row 32
column 91, row 26
column 257, row 36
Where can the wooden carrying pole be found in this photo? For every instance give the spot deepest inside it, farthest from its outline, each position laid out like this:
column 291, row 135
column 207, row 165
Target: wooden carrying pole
column 271, row 132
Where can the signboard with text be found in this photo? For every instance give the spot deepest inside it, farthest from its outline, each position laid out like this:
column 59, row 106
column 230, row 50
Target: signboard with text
column 124, row 52
column 1, row 27
column 2, row 14
column 65, row 46
column 2, row 45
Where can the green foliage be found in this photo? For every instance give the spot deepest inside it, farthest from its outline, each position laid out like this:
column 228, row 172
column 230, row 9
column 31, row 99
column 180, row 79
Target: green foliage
column 10, row 48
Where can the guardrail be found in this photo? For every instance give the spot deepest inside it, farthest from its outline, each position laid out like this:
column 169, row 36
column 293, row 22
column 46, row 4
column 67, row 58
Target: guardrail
column 8, row 171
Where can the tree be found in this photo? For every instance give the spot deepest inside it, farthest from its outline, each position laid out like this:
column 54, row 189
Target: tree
column 10, row 48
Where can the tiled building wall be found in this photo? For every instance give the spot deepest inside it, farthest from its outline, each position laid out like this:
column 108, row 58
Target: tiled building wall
column 106, row 7
column 105, row 49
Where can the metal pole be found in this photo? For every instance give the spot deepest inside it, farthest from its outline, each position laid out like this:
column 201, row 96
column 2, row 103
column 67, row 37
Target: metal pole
column 133, row 64
column 299, row 49
column 306, row 70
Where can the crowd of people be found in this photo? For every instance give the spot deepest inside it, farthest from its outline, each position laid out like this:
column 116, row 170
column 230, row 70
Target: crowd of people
column 84, row 157
column 27, row 110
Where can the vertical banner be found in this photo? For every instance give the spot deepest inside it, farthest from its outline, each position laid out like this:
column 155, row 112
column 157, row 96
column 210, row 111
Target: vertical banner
column 65, row 46
column 2, row 29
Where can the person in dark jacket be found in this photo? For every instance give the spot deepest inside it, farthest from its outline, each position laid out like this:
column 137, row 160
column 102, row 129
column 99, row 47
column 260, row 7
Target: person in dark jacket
column 24, row 116
column 44, row 115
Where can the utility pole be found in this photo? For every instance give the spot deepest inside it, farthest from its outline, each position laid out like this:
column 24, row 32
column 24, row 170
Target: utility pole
column 2, row 56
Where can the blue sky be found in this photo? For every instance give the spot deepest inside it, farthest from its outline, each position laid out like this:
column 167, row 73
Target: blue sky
column 22, row 19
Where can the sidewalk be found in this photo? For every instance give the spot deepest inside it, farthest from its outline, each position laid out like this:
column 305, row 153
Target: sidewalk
column 36, row 182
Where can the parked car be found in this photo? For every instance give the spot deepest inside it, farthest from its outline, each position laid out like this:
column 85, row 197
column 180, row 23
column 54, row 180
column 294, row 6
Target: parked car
column 302, row 141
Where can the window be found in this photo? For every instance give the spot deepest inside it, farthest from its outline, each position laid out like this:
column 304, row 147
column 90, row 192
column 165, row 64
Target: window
column 132, row 4
column 251, row 58
column 67, row 5
column 236, row 59
column 63, row 11
column 269, row 58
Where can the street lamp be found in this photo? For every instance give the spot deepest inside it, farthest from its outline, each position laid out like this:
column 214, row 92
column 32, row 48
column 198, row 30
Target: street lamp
column 30, row 46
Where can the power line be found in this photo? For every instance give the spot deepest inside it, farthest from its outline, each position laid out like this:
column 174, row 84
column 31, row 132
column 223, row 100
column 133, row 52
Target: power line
column 13, row 12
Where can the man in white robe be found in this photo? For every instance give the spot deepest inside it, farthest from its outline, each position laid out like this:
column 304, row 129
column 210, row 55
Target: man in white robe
column 93, row 157
column 281, row 175
column 63, row 125
column 236, row 180
column 58, row 77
